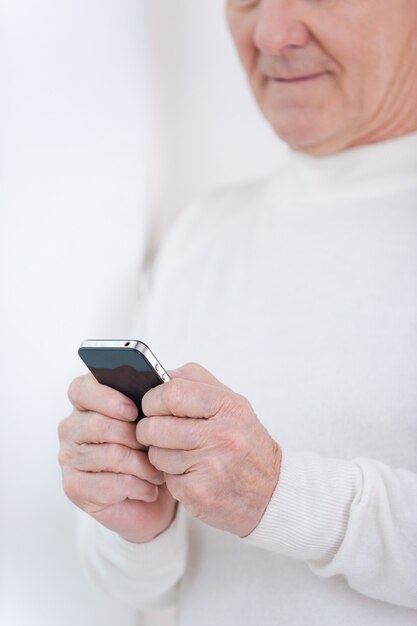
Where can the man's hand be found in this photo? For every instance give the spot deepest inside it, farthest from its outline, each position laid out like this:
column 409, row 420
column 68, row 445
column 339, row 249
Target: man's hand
column 106, row 472
column 218, row 459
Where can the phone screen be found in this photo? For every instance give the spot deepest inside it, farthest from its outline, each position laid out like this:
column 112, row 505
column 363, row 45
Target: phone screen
column 124, row 369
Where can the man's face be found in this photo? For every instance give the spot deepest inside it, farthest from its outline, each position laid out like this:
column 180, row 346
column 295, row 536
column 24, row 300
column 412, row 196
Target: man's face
column 330, row 74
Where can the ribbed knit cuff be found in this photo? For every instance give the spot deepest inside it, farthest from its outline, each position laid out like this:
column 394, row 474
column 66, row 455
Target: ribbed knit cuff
column 308, row 513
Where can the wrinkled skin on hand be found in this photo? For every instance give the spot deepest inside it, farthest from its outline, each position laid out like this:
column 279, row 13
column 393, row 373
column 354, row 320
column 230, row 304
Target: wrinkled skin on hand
column 105, row 471
column 218, row 459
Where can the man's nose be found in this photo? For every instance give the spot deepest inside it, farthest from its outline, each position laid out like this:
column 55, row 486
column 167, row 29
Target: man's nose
column 279, row 25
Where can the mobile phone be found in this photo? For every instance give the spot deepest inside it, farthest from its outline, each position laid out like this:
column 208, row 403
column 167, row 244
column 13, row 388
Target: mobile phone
column 127, row 365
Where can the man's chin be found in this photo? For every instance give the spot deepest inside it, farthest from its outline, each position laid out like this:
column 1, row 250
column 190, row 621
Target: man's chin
column 308, row 138
column 312, row 129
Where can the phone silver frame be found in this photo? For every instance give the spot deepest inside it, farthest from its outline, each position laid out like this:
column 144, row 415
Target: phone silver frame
column 130, row 344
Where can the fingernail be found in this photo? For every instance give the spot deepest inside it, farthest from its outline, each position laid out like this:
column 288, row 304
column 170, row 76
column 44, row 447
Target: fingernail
column 156, row 481
column 128, row 412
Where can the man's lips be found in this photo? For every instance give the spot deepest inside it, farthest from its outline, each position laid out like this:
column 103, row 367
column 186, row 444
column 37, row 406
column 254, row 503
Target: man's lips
column 297, row 79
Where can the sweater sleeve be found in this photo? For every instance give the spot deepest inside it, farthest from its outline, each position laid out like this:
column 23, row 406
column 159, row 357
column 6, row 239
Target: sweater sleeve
column 141, row 576
column 354, row 518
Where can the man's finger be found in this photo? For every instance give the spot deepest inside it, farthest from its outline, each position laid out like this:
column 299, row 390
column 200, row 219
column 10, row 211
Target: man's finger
column 117, row 459
column 196, row 373
column 184, row 398
column 86, row 394
column 175, row 433
column 89, row 489
column 87, row 427
column 174, row 462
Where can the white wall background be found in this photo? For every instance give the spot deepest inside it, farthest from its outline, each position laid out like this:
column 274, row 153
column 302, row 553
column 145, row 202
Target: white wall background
column 113, row 114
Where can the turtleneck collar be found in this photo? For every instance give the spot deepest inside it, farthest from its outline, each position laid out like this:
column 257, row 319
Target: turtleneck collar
column 370, row 169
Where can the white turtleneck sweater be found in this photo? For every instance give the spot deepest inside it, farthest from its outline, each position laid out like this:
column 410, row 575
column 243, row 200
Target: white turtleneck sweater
column 300, row 293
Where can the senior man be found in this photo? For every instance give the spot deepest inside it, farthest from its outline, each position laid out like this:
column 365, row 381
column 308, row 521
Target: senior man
column 297, row 482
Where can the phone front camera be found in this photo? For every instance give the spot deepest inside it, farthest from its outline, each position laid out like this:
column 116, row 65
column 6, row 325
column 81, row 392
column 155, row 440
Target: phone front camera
column 127, row 343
